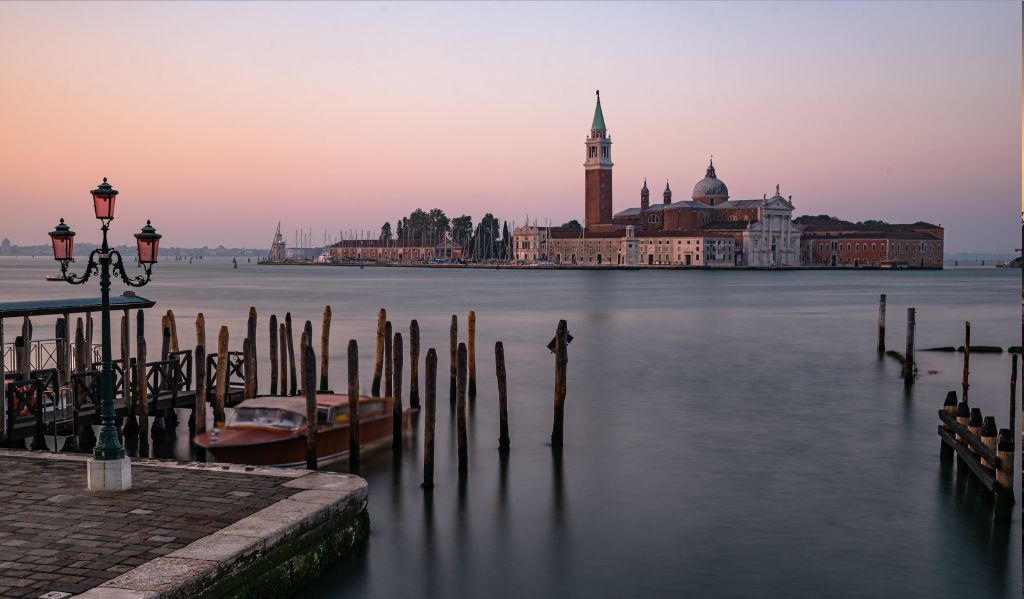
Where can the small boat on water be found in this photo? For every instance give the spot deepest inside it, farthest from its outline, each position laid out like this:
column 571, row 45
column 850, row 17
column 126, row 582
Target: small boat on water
column 54, row 278
column 271, row 431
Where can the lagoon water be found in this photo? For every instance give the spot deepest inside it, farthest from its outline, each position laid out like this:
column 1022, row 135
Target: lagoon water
column 728, row 434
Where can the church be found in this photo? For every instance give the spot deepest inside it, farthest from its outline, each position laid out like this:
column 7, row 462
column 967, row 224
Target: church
column 709, row 229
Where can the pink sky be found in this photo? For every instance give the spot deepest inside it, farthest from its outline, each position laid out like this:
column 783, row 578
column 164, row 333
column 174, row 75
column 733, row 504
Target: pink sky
column 218, row 120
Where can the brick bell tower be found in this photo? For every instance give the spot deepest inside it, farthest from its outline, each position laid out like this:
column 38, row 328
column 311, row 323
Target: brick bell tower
column 598, row 169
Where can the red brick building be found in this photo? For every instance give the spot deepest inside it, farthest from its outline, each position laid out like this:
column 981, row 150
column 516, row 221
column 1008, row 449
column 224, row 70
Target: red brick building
column 374, row 250
column 844, row 244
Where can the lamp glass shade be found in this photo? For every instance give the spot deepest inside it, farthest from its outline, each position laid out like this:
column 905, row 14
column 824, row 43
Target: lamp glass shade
column 103, row 198
column 148, row 241
column 62, row 238
column 104, row 206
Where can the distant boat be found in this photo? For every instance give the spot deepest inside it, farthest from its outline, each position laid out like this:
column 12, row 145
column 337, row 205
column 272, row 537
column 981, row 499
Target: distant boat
column 54, row 278
column 235, row 262
column 1015, row 263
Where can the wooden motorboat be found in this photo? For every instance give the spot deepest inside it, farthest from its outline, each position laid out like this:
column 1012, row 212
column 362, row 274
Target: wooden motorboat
column 271, row 431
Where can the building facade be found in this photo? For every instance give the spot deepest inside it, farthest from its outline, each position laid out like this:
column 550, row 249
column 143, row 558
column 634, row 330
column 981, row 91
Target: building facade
column 399, row 251
column 530, row 242
column 844, row 244
column 632, row 247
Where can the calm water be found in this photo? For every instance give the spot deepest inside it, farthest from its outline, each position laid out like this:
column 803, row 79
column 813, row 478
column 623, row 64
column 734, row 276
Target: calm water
column 728, row 434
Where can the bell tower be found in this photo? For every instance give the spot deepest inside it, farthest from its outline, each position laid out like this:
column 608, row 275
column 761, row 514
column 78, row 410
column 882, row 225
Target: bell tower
column 598, row 169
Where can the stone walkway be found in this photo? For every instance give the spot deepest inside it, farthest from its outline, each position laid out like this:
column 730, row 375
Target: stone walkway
column 55, row 536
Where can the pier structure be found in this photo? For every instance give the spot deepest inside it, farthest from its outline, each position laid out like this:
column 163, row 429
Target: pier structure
column 183, row 530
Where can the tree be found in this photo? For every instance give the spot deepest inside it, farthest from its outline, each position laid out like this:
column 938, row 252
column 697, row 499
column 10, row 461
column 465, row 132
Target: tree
column 385, row 232
column 462, row 230
column 573, row 225
column 506, row 242
column 873, row 223
column 485, row 240
column 439, row 223
column 399, row 233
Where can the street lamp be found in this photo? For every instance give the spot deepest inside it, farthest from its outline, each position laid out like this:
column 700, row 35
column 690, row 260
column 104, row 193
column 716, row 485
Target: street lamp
column 108, row 469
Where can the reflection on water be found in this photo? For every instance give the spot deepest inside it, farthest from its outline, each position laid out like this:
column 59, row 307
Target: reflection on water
column 728, row 434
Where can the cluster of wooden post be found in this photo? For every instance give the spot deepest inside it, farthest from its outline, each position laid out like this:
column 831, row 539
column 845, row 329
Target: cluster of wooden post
column 987, row 451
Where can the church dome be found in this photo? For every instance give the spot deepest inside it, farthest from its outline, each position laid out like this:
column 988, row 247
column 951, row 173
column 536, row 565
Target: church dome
column 710, row 186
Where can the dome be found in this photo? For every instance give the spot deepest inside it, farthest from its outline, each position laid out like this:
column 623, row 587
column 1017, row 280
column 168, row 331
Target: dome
column 710, row 186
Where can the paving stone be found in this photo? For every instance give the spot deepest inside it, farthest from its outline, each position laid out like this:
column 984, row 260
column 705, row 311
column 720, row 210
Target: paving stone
column 67, row 539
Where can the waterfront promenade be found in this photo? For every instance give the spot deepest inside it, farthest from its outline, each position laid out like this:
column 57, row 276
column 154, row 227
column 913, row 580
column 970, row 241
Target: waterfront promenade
column 183, row 530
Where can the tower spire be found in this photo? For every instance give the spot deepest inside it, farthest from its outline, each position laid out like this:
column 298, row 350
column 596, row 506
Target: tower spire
column 598, row 124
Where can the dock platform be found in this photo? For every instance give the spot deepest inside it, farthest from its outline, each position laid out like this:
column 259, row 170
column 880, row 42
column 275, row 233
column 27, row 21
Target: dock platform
column 183, row 530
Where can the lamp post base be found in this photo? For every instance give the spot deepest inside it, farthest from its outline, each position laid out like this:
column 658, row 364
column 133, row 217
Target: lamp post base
column 109, row 475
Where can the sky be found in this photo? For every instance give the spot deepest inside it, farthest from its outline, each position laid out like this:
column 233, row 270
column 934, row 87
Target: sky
column 217, row 120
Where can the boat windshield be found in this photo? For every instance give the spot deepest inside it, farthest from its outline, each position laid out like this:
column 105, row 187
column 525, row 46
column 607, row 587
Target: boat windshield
column 273, row 417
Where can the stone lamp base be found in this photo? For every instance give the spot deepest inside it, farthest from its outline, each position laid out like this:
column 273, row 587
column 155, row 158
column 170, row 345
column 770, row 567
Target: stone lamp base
column 109, row 475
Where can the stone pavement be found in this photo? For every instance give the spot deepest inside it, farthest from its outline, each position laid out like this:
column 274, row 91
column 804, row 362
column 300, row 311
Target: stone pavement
column 55, row 536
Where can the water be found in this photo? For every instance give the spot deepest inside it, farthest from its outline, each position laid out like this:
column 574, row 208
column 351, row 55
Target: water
column 728, row 434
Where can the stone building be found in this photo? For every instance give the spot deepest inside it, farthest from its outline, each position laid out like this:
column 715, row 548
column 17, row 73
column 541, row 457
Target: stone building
column 404, row 251
column 530, row 243
column 844, row 244
column 756, row 232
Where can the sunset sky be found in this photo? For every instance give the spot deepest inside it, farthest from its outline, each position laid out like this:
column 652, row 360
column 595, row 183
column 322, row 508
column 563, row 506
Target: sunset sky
column 217, row 121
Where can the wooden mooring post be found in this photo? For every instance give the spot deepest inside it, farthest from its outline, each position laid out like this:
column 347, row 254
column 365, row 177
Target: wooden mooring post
column 499, row 367
column 353, row 405
column 222, row 378
column 453, row 370
column 172, row 325
column 200, row 329
column 283, row 358
column 248, row 368
column 908, row 358
column 292, row 375
column 325, row 349
column 86, row 436
column 141, row 385
column 471, row 348
column 273, row 354
column 561, row 362
column 378, row 363
column 397, row 408
column 881, row 324
column 460, row 409
column 389, row 361
column 430, row 420
column 250, row 334
column 414, row 365
column 312, row 423
column 199, row 412
column 967, row 360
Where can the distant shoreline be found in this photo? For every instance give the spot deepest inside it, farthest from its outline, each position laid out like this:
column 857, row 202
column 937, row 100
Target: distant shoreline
column 576, row 266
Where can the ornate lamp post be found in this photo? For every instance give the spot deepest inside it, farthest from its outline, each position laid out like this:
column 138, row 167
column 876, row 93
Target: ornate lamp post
column 108, row 469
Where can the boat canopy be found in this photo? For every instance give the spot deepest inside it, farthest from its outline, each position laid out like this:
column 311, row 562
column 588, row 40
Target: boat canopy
column 70, row 306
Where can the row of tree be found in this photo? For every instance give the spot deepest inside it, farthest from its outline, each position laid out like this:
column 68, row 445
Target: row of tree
column 490, row 239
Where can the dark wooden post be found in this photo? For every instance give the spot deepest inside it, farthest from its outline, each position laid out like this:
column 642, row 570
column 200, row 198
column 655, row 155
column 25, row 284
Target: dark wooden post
column 561, row 361
column 974, row 423
column 222, row 378
column 967, row 359
column 460, row 407
column 881, row 324
column 1005, row 453
column 1013, row 394
column 26, row 349
column 173, row 327
column 283, row 343
column 430, row 420
column 378, row 364
column 353, row 405
column 247, row 369
column 988, row 438
column 453, row 370
column 949, row 407
column 414, row 365
column 250, row 333
column 325, row 348
column 273, row 354
column 292, row 375
column 397, row 408
column 908, row 361
column 86, row 437
column 60, row 334
column 201, row 329
column 499, row 366
column 199, row 413
column 389, row 361
column 141, row 382
column 471, row 349
column 963, row 416
column 312, row 423
column 162, row 420
column 303, row 343
column 126, row 379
